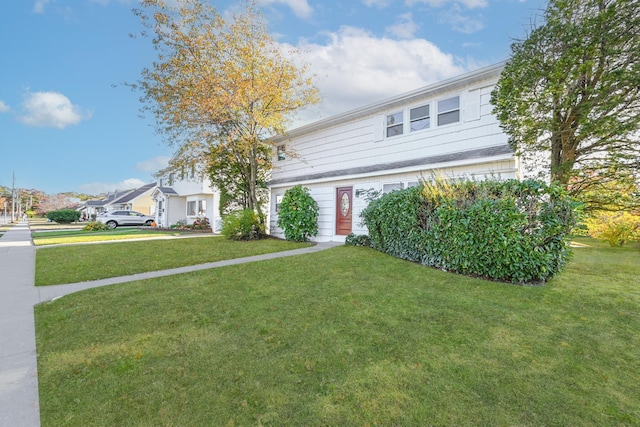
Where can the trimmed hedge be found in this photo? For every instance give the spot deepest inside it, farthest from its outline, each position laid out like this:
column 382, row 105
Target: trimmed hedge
column 515, row 231
column 64, row 216
column 298, row 214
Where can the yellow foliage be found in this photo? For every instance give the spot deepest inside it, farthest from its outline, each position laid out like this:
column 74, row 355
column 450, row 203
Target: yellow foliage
column 220, row 82
column 617, row 228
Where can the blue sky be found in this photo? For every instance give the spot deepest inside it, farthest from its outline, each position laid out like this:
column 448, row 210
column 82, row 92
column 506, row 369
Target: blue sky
column 68, row 122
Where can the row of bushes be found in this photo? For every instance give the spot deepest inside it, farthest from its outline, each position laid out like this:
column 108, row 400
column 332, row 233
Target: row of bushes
column 297, row 216
column 514, row 231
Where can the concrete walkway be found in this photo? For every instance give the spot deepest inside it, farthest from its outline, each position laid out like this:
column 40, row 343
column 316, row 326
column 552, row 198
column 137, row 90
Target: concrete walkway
column 18, row 369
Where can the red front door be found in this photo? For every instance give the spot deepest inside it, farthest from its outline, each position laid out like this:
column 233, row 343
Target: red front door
column 344, row 208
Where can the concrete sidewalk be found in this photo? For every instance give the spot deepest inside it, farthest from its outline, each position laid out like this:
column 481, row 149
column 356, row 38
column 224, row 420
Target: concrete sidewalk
column 18, row 369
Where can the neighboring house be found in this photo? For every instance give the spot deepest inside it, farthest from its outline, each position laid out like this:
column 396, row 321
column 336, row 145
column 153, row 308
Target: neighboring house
column 182, row 200
column 446, row 129
column 139, row 200
column 90, row 208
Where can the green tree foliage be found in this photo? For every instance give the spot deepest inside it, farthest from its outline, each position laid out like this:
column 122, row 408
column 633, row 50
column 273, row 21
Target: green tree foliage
column 572, row 90
column 510, row 231
column 219, row 89
column 298, row 214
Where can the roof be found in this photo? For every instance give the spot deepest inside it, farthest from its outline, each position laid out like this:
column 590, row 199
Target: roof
column 167, row 190
column 135, row 193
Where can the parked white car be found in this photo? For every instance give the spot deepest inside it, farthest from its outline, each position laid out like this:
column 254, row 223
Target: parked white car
column 115, row 219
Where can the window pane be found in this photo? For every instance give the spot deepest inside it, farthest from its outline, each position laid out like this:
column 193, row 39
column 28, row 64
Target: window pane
column 191, row 208
column 446, row 118
column 419, row 113
column 420, row 124
column 202, row 207
column 449, row 104
column 394, row 130
column 388, row 188
column 393, row 119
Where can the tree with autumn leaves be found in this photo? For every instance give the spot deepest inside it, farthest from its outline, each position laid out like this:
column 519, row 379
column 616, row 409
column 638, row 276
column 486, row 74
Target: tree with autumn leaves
column 218, row 90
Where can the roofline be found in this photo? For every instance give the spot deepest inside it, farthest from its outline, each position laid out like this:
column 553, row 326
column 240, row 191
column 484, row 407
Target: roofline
column 383, row 105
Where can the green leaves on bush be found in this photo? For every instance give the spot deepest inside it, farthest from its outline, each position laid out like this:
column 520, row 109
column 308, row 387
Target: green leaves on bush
column 242, row 225
column 96, row 226
column 357, row 240
column 501, row 230
column 298, row 214
column 64, row 216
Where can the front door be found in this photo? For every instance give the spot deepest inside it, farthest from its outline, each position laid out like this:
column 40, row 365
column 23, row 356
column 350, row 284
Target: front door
column 344, row 208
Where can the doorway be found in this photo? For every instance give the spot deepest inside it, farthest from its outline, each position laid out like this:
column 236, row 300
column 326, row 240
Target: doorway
column 344, row 209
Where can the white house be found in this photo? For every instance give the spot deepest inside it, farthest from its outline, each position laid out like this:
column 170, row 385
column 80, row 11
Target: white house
column 446, row 128
column 183, row 199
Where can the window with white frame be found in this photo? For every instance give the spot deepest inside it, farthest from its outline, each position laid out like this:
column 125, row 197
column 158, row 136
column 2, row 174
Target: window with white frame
column 388, row 188
column 191, row 208
column 419, row 118
column 202, row 207
column 449, row 111
column 395, row 124
column 278, row 202
column 281, row 153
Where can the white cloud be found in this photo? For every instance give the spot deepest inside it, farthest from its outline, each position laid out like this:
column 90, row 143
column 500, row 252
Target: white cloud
column 51, row 109
column 4, row 107
column 460, row 22
column 356, row 68
column 38, row 6
column 404, row 28
column 471, row 4
column 154, row 164
column 377, row 3
column 300, row 8
column 104, row 187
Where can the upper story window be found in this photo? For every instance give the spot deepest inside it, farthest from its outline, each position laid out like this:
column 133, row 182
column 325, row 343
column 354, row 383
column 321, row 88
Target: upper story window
column 419, row 118
column 281, row 153
column 449, row 111
column 395, row 124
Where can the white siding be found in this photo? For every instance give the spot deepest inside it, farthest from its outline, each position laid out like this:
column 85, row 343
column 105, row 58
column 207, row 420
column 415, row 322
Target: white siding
column 353, row 151
column 324, row 193
column 358, row 143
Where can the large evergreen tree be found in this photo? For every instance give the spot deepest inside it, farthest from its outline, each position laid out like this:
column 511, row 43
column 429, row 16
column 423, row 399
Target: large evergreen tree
column 572, row 90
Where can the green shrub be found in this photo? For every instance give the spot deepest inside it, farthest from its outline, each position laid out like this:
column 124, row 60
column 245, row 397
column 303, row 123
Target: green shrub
column 242, row 225
column 64, row 216
column 617, row 228
column 357, row 240
column 95, row 226
column 501, row 230
column 298, row 214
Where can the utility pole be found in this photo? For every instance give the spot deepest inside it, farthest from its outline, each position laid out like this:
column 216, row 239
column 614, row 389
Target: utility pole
column 13, row 198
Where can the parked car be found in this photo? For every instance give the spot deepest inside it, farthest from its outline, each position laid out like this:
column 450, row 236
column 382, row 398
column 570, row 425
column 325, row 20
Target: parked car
column 115, row 219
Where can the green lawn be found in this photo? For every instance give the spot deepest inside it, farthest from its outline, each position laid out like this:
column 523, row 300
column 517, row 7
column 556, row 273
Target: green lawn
column 347, row 337
column 42, row 238
column 78, row 263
